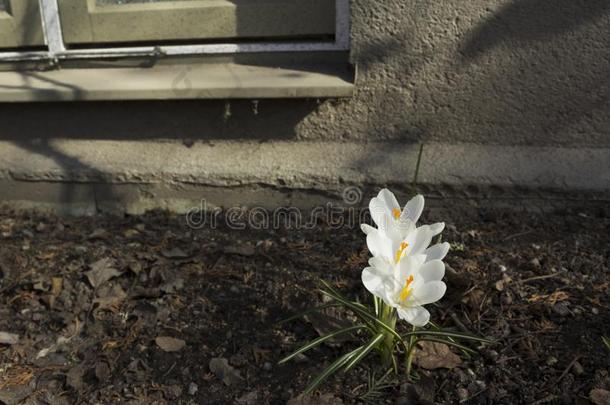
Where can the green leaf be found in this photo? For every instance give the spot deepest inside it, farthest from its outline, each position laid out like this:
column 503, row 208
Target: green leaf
column 446, row 333
column 377, row 306
column 367, row 317
column 321, row 339
column 308, row 311
column 606, row 342
column 376, row 386
column 337, row 294
column 448, row 342
column 334, row 367
column 359, row 309
column 364, row 352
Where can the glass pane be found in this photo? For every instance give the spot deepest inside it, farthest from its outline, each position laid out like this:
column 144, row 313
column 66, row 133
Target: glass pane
column 4, row 5
column 115, row 2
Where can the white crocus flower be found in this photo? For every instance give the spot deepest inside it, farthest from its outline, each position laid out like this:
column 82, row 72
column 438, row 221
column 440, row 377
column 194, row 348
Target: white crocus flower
column 407, row 285
column 400, row 225
column 416, row 242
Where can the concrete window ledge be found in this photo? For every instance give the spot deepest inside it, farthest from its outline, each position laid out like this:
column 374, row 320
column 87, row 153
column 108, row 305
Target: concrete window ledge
column 177, row 81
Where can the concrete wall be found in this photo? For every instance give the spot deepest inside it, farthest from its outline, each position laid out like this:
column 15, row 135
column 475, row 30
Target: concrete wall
column 510, row 72
column 512, row 94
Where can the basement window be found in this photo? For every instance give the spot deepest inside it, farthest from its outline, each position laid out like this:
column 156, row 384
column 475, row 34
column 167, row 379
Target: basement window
column 57, row 50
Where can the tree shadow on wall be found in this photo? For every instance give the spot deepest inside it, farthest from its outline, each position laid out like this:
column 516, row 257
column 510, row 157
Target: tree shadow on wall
column 534, row 72
column 525, row 21
column 545, row 88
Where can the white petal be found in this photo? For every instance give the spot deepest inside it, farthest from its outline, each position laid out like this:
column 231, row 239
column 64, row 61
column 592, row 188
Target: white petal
column 377, row 282
column 380, row 213
column 414, row 208
column 429, row 292
column 379, row 244
column 409, row 265
column 416, row 316
column 437, row 228
column 433, row 270
column 419, row 240
column 401, row 228
column 366, row 228
column 378, row 261
column 438, row 251
column 389, row 198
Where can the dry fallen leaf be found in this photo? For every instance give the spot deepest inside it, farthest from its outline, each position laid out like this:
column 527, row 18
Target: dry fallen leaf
column 553, row 298
column 175, row 253
column 432, row 355
column 599, row 396
column 260, row 354
column 241, row 250
column 223, row 371
column 8, row 338
column 101, row 271
column 312, row 399
column 111, row 303
column 170, row 344
column 329, row 320
column 56, row 286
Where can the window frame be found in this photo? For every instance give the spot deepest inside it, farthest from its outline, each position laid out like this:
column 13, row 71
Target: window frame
column 56, row 47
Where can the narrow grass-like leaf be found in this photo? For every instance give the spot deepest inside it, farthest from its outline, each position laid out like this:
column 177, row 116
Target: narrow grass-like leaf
column 336, row 293
column 606, row 342
column 309, row 311
column 366, row 316
column 448, row 343
column 445, row 333
column 334, row 367
column 364, row 352
column 376, row 303
column 376, row 386
column 321, row 339
column 360, row 310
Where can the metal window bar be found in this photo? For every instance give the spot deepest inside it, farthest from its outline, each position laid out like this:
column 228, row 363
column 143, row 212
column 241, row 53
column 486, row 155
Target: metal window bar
column 51, row 23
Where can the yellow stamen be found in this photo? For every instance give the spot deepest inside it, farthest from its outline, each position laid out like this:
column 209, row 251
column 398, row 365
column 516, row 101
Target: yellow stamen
column 406, row 291
column 403, row 246
column 396, row 213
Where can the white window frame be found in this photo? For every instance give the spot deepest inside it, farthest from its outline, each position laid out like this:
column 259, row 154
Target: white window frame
column 56, row 48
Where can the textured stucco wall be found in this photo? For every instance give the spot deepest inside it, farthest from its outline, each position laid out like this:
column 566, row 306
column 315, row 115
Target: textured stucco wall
column 526, row 72
column 500, row 92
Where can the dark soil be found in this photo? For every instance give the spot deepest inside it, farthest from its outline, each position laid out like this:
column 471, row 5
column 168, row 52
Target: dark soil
column 539, row 285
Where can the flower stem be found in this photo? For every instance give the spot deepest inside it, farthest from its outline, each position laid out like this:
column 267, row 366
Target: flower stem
column 409, row 360
column 387, row 316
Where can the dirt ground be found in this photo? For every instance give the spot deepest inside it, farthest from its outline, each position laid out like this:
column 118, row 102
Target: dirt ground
column 148, row 310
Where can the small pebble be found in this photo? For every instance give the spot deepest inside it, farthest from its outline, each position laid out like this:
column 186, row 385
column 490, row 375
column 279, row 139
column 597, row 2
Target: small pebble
column 462, row 394
column 193, row 388
column 561, row 309
column 578, row 369
column 267, row 366
column 551, row 361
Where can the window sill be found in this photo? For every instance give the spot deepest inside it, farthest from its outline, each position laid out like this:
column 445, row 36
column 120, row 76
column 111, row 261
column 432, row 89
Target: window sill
column 178, row 81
